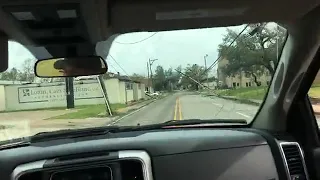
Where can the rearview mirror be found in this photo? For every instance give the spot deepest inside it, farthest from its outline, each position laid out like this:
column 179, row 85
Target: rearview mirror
column 70, row 67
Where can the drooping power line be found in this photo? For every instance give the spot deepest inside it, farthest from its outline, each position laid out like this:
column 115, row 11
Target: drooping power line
column 113, row 67
column 137, row 41
column 220, row 55
column 216, row 61
column 118, row 64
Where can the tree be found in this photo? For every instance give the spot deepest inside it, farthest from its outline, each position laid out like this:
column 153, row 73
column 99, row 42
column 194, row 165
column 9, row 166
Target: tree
column 137, row 77
column 27, row 73
column 11, row 75
column 159, row 79
column 172, row 79
column 197, row 73
column 253, row 52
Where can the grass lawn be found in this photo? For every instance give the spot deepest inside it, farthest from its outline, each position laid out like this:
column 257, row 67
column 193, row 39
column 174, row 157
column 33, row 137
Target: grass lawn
column 88, row 111
column 257, row 93
column 314, row 91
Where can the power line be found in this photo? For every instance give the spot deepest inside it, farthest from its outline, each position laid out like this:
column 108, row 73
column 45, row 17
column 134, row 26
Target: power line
column 113, row 67
column 190, row 78
column 137, row 41
column 254, row 31
column 119, row 65
column 216, row 61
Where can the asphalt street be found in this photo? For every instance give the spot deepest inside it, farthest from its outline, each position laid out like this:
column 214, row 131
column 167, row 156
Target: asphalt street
column 181, row 106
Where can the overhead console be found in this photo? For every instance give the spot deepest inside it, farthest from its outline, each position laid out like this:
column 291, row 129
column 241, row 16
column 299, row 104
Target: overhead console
column 51, row 23
column 56, row 25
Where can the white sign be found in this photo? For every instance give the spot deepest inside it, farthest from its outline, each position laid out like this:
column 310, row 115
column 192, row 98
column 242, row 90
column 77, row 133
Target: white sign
column 58, row 93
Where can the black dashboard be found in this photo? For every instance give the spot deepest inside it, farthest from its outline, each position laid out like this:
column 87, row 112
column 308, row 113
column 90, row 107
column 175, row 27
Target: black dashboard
column 170, row 154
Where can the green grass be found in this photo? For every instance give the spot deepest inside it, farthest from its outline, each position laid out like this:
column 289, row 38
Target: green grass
column 256, row 93
column 314, row 92
column 88, row 111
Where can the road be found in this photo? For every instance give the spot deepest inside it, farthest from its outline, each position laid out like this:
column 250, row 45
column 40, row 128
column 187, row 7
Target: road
column 182, row 106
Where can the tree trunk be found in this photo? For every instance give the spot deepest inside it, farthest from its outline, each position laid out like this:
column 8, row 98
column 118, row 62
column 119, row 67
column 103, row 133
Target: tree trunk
column 255, row 79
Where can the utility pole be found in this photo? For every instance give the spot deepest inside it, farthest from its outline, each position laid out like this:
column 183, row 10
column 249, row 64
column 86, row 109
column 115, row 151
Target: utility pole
column 70, row 51
column 104, row 93
column 151, row 61
column 205, row 66
column 148, row 76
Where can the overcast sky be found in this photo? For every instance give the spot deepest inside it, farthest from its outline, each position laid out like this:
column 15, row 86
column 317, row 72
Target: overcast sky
column 171, row 48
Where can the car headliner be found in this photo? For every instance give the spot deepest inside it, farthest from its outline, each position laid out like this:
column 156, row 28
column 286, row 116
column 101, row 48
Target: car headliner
column 100, row 19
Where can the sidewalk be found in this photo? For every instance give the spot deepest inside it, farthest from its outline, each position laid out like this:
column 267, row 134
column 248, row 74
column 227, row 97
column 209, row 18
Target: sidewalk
column 26, row 123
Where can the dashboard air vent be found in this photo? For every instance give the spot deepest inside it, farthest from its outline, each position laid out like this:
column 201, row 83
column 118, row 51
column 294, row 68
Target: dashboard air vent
column 294, row 159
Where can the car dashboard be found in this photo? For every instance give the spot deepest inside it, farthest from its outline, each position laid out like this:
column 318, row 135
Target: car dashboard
column 170, row 154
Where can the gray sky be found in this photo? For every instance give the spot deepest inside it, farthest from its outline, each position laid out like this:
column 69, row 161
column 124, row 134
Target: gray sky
column 171, row 48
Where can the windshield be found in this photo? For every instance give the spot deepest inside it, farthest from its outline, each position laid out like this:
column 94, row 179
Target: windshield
column 153, row 77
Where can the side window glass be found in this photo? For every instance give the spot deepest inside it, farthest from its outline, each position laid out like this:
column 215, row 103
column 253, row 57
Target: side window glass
column 314, row 96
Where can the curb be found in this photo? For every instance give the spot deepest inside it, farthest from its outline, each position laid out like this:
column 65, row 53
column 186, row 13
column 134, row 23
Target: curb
column 131, row 112
column 243, row 101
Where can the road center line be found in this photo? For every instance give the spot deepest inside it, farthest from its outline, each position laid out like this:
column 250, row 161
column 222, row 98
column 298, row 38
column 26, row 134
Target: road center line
column 180, row 112
column 244, row 115
column 175, row 109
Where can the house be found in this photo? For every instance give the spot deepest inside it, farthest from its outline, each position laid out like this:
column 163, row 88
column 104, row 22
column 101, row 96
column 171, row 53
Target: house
column 240, row 79
column 147, row 82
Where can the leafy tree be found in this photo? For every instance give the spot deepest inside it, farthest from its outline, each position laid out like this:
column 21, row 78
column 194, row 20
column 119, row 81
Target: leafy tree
column 195, row 72
column 137, row 77
column 253, row 52
column 159, row 79
column 11, row 75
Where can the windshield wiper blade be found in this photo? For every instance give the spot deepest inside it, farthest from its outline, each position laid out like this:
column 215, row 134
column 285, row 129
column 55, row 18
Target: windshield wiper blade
column 204, row 121
column 187, row 122
column 13, row 143
column 73, row 133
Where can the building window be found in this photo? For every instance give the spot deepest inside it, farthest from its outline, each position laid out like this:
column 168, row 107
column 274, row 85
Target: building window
column 234, row 84
column 129, row 86
column 238, row 84
column 259, row 82
column 247, row 84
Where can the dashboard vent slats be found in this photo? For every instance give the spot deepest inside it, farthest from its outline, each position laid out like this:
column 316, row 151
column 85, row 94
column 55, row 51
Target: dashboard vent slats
column 294, row 158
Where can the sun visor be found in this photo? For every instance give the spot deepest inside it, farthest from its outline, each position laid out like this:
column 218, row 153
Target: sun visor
column 103, row 47
column 3, row 52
